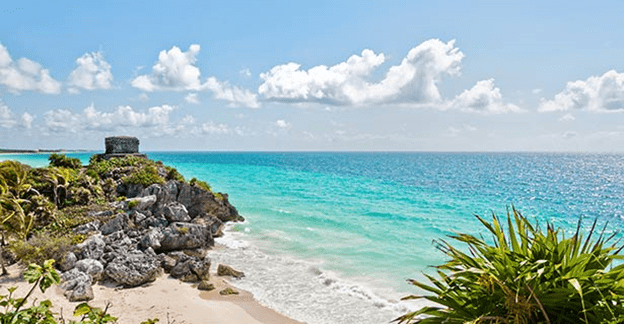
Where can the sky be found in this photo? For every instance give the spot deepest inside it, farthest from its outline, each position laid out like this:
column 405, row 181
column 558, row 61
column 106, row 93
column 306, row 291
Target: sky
column 314, row 75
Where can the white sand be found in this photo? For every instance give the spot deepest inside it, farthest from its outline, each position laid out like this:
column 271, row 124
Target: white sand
column 168, row 299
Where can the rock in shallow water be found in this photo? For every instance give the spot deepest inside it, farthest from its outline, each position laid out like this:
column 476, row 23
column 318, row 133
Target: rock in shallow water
column 225, row 270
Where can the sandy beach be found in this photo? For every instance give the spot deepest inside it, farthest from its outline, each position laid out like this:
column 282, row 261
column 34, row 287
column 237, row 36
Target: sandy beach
column 168, row 299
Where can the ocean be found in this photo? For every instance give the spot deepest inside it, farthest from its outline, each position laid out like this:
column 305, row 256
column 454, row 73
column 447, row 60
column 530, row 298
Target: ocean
column 332, row 237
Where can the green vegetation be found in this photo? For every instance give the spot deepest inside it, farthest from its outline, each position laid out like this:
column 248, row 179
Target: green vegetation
column 527, row 276
column 133, row 203
column 62, row 161
column 40, row 206
column 145, row 176
column 219, row 196
column 201, row 184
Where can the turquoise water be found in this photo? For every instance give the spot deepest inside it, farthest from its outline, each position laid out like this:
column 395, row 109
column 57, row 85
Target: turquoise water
column 331, row 237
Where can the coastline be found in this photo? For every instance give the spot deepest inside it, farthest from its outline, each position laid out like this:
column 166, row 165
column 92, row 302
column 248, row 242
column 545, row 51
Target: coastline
column 167, row 299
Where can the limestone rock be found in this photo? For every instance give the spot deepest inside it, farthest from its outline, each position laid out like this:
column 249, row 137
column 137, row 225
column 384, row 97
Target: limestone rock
column 181, row 236
column 77, row 285
column 120, row 222
column 133, row 269
column 225, row 270
column 205, row 285
column 143, row 203
column 94, row 268
column 92, row 248
column 192, row 270
column 68, row 261
column 176, row 212
column 228, row 291
column 87, row 228
column 152, row 239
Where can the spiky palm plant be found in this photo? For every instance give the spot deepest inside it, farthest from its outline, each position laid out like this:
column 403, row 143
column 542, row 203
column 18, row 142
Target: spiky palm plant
column 526, row 276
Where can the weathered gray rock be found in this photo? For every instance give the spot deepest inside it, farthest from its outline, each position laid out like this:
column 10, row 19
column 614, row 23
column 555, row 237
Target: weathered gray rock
column 102, row 214
column 182, row 236
column 167, row 262
column 92, row 248
column 94, row 268
column 192, row 270
column 153, row 221
column 93, row 226
column 133, row 269
column 205, row 285
column 216, row 225
column 119, row 223
column 76, row 285
column 137, row 217
column 165, row 193
column 142, row 203
column 176, row 212
column 68, row 261
column 199, row 202
column 225, row 270
column 129, row 190
column 152, row 239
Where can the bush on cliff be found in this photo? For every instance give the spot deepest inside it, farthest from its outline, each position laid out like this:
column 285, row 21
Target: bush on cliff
column 62, row 161
column 528, row 276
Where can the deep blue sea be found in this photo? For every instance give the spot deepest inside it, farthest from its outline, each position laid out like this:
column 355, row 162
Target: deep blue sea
column 331, row 237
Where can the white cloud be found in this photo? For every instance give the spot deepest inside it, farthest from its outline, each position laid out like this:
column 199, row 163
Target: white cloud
column 213, row 128
column 246, row 72
column 27, row 120
column 603, row 93
column 191, row 98
column 484, row 98
column 154, row 121
column 6, row 115
column 569, row 134
column 25, row 75
column 93, row 72
column 176, row 71
column 567, row 118
column 415, row 80
column 283, row 124
column 234, row 95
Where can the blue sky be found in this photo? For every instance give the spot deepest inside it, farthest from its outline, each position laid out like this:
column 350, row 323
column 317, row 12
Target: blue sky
column 321, row 75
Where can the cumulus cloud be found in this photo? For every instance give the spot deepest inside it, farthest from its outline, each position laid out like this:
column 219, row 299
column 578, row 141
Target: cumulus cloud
column 27, row 120
column 415, row 80
column 234, row 95
column 483, row 98
column 176, row 71
column 92, row 72
column 156, row 120
column 567, row 118
column 6, row 116
column 25, row 75
column 603, row 93
column 191, row 98
column 283, row 124
column 213, row 128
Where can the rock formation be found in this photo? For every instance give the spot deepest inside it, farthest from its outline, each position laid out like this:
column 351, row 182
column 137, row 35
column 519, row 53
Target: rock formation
column 169, row 228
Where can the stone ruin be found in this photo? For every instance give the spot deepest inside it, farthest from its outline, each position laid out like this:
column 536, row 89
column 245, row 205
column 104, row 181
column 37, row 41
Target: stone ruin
column 120, row 146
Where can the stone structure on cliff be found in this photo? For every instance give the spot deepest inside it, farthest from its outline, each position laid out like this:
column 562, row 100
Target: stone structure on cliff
column 120, row 146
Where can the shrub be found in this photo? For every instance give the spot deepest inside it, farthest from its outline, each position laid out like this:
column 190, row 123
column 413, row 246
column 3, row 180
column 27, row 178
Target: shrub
column 173, row 174
column 41, row 247
column 132, row 204
column 527, row 276
column 202, row 184
column 219, row 196
column 62, row 161
column 145, row 176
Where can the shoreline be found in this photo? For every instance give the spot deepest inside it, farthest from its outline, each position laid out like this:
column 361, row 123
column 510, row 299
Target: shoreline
column 167, row 299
